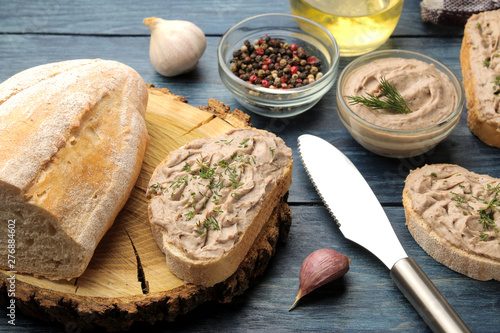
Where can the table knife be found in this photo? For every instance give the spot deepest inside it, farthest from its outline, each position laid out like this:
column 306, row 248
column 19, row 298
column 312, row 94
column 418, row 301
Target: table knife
column 361, row 218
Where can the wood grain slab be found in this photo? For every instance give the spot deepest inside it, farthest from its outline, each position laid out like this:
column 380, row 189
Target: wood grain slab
column 127, row 280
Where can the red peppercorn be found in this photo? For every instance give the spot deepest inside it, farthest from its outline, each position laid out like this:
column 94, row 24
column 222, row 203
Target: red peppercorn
column 253, row 78
column 265, row 67
column 284, row 79
column 293, row 69
column 294, row 47
column 265, row 83
column 259, row 51
column 311, row 60
column 268, row 61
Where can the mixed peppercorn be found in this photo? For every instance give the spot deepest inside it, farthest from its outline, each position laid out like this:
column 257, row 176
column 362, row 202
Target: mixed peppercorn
column 272, row 63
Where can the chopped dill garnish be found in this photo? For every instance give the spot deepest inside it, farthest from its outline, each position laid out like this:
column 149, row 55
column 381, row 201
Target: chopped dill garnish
column 272, row 152
column 244, row 144
column 189, row 215
column 207, row 224
column 156, row 189
column 178, row 182
column 459, row 200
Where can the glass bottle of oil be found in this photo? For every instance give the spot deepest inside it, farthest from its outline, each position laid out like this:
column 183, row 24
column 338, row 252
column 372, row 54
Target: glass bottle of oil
column 359, row 26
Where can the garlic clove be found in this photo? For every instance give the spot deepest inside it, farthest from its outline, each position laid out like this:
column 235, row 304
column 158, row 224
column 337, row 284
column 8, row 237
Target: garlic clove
column 175, row 46
column 319, row 268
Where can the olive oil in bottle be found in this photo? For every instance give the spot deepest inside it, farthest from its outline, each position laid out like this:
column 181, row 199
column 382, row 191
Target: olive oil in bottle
column 359, row 26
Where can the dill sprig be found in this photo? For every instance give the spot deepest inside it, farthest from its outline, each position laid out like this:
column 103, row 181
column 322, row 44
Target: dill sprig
column 393, row 99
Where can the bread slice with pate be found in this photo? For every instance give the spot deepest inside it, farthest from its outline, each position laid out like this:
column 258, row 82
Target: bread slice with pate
column 454, row 215
column 209, row 199
column 72, row 140
column 480, row 62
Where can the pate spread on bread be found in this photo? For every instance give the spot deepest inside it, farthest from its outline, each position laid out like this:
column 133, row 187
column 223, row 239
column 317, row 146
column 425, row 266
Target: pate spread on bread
column 210, row 198
column 454, row 215
column 72, row 141
column 480, row 62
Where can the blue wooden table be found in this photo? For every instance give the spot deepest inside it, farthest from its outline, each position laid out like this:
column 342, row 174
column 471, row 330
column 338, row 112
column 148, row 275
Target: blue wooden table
column 37, row 32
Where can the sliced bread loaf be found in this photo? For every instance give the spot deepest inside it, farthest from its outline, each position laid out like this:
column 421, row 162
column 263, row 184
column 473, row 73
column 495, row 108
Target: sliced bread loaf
column 72, row 140
column 210, row 198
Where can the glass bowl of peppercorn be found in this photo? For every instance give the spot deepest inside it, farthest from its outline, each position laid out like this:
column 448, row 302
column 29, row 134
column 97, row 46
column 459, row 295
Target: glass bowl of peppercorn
column 278, row 65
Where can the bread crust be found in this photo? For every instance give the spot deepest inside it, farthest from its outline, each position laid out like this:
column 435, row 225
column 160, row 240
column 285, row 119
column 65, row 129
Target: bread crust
column 464, row 262
column 210, row 272
column 473, row 55
column 69, row 159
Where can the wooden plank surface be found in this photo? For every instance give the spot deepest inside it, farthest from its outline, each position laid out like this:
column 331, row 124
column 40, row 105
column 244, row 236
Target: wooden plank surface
column 37, row 32
column 125, row 17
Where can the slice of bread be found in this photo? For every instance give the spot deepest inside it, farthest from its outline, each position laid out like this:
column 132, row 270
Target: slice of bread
column 454, row 215
column 480, row 62
column 72, row 141
column 209, row 199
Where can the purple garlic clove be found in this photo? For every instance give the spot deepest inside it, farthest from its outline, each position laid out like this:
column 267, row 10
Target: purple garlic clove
column 319, row 268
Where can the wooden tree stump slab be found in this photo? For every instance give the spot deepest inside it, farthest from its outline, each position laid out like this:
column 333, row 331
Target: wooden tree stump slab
column 127, row 280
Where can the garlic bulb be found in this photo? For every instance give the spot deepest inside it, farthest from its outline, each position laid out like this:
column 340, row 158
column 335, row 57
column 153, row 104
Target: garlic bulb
column 175, row 46
column 319, row 268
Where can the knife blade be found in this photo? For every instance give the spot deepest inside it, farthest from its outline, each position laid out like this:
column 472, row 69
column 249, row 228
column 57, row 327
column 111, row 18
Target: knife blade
column 361, row 218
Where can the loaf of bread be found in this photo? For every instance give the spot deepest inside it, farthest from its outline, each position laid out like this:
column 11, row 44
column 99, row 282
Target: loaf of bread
column 454, row 215
column 209, row 199
column 480, row 62
column 72, row 141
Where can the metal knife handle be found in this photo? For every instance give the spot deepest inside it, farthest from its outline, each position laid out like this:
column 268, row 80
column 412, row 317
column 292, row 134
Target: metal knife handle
column 426, row 298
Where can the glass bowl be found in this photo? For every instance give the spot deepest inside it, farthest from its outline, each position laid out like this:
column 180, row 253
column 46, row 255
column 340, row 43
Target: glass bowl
column 359, row 26
column 397, row 143
column 291, row 29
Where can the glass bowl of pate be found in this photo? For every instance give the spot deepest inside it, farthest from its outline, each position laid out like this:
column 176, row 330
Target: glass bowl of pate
column 432, row 92
column 300, row 38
